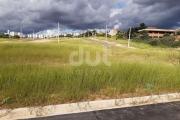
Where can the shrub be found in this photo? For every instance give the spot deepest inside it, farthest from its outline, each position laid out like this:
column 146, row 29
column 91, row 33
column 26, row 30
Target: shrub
column 2, row 35
column 16, row 36
column 168, row 41
column 120, row 35
column 69, row 35
column 144, row 35
column 176, row 44
column 155, row 42
column 137, row 39
column 166, row 34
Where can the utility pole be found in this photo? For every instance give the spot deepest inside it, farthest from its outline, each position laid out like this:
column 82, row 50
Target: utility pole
column 44, row 34
column 33, row 34
column 21, row 34
column 95, row 33
column 129, row 38
column 88, row 33
column 58, row 32
column 106, row 32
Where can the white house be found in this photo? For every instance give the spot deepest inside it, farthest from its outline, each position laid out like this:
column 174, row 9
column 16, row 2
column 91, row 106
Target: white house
column 13, row 33
column 76, row 34
column 29, row 35
column 8, row 32
column 41, row 36
column 35, row 35
column 20, row 34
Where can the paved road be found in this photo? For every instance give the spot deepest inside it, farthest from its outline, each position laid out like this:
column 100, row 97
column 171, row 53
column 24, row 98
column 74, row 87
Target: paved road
column 165, row 111
column 105, row 43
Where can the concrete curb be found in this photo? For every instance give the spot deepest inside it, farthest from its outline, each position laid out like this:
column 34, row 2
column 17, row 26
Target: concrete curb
column 24, row 113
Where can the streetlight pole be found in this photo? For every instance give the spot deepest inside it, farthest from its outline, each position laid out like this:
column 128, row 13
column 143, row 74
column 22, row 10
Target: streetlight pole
column 106, row 32
column 21, row 34
column 33, row 34
column 44, row 34
column 129, row 38
column 58, row 32
column 95, row 33
column 88, row 33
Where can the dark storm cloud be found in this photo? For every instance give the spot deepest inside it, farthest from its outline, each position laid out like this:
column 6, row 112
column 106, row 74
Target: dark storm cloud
column 158, row 13
column 168, row 3
column 86, row 14
column 75, row 15
column 44, row 14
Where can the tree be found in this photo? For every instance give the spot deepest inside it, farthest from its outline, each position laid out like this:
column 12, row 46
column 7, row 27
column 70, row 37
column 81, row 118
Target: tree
column 119, row 35
column 69, row 35
column 178, row 32
column 61, row 35
column 16, row 36
column 94, row 32
column 135, row 30
column 135, row 35
column 142, row 26
column 144, row 35
column 168, row 40
column 2, row 35
column 166, row 35
column 88, row 33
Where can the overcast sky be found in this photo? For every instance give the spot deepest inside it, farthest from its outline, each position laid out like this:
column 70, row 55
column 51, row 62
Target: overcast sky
column 87, row 14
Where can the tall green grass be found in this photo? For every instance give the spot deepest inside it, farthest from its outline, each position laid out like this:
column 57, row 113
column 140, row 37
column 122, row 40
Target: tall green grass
column 29, row 85
column 40, row 74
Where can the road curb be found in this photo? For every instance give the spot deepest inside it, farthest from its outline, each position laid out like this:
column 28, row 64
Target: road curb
column 25, row 113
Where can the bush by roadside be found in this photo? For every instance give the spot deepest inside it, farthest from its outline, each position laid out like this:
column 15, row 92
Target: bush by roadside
column 2, row 35
column 168, row 41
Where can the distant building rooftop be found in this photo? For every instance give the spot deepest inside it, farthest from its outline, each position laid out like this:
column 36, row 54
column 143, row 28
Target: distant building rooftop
column 152, row 28
column 158, row 30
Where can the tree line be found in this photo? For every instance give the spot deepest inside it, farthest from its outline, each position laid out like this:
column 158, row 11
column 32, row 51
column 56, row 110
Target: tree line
column 2, row 35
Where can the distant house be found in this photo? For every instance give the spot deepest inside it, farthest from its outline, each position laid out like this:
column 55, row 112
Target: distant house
column 113, row 32
column 76, row 34
column 100, row 33
column 20, row 34
column 35, row 35
column 13, row 33
column 158, row 33
column 41, row 36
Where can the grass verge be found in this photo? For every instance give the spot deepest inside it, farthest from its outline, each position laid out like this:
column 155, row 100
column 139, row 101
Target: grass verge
column 40, row 74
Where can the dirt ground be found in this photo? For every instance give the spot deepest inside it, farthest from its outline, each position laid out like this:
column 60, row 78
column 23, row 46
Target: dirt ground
column 40, row 41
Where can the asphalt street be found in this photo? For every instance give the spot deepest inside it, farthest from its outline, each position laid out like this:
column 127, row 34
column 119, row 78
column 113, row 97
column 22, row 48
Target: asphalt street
column 164, row 111
column 102, row 42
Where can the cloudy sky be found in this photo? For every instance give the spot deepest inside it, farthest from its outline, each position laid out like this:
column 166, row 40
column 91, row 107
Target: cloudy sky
column 87, row 14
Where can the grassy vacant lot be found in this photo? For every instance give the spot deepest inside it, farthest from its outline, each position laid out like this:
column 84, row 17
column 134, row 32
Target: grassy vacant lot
column 33, row 74
column 7, row 40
